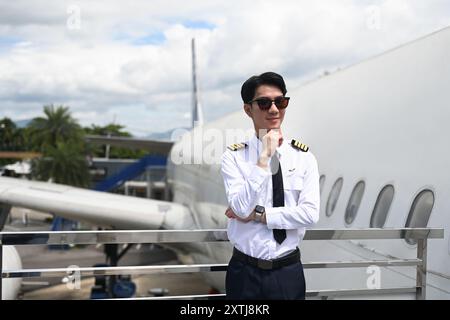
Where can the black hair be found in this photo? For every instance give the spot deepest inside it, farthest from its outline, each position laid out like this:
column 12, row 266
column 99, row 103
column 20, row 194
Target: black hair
column 270, row 78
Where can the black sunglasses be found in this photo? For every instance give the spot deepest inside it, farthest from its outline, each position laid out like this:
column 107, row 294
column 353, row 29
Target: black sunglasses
column 265, row 103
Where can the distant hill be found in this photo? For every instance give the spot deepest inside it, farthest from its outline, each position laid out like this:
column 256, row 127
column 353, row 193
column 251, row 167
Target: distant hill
column 22, row 123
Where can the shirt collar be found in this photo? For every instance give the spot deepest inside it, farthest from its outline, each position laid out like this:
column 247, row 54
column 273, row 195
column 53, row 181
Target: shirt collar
column 257, row 144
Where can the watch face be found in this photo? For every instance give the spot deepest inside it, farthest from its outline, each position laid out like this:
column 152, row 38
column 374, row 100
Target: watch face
column 259, row 209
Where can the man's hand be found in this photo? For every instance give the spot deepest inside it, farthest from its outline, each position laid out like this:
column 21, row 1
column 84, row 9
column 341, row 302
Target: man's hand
column 230, row 214
column 271, row 141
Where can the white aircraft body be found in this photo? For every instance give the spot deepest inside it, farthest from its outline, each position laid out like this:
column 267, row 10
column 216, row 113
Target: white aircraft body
column 383, row 121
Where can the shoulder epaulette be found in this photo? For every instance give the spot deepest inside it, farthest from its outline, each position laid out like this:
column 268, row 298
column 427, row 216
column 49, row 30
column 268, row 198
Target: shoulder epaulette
column 300, row 146
column 237, row 146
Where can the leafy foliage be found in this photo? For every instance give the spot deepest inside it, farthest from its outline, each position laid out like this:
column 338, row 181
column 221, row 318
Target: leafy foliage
column 64, row 163
column 57, row 126
column 12, row 138
column 59, row 137
column 114, row 152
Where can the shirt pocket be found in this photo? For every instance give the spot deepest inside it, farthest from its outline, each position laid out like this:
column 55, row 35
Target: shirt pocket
column 293, row 185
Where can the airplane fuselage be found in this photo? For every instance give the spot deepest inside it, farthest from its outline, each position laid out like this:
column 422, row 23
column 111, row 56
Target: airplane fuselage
column 382, row 122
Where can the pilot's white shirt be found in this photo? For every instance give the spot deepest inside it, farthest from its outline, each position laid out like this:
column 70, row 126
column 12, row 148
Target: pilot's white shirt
column 248, row 185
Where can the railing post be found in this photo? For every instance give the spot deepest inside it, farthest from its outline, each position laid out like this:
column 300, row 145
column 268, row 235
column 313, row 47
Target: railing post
column 421, row 278
column 1, row 269
column 149, row 183
column 166, row 188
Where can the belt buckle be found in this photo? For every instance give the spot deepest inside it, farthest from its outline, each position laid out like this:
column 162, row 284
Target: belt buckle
column 265, row 264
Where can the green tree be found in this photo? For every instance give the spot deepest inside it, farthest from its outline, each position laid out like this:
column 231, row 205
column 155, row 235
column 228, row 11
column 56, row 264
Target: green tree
column 57, row 126
column 64, row 164
column 11, row 139
column 60, row 139
column 114, row 130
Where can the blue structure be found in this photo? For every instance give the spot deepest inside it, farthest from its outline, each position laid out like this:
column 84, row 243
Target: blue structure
column 112, row 286
column 61, row 224
column 130, row 172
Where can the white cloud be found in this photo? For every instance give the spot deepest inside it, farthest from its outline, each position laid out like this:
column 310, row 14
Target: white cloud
column 105, row 68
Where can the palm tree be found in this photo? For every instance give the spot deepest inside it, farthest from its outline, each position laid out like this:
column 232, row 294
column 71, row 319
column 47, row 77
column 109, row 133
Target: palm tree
column 64, row 164
column 59, row 137
column 57, row 126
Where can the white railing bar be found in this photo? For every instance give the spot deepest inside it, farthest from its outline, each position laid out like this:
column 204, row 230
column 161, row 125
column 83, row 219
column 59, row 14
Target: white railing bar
column 204, row 235
column 309, row 293
column 137, row 270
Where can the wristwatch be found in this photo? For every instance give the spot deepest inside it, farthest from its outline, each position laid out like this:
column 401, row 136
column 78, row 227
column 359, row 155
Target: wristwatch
column 259, row 211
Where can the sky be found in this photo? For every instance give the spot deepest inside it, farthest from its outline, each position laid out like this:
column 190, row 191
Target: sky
column 130, row 62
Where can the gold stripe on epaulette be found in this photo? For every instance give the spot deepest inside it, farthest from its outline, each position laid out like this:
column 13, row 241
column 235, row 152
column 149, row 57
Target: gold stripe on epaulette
column 298, row 145
column 236, row 146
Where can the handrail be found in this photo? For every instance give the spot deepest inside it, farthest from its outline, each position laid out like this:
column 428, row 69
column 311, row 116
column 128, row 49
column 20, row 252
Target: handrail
column 203, row 235
column 139, row 270
column 220, row 235
column 309, row 293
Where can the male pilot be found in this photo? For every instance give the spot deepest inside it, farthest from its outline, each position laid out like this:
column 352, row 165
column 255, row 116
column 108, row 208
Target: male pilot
column 272, row 187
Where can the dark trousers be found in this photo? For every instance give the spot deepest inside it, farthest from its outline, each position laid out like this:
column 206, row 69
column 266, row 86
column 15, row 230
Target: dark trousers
column 247, row 282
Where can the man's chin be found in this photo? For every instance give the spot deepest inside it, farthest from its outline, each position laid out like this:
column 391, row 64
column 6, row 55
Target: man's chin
column 273, row 124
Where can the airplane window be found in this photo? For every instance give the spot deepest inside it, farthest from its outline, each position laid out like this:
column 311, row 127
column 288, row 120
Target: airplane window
column 333, row 197
column 382, row 206
column 321, row 182
column 354, row 202
column 420, row 211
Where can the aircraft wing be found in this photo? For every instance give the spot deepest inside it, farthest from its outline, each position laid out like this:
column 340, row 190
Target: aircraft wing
column 156, row 146
column 94, row 207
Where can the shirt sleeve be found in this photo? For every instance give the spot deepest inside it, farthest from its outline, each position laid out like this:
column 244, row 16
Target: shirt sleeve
column 242, row 193
column 306, row 213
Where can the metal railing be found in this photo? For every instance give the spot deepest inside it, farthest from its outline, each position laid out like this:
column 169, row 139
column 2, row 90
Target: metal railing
column 217, row 235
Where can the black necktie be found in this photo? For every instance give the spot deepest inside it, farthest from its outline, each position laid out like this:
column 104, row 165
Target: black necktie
column 278, row 195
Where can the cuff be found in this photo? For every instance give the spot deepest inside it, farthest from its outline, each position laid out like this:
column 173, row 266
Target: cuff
column 273, row 218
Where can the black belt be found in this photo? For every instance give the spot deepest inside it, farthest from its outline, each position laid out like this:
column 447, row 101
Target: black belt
column 289, row 259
